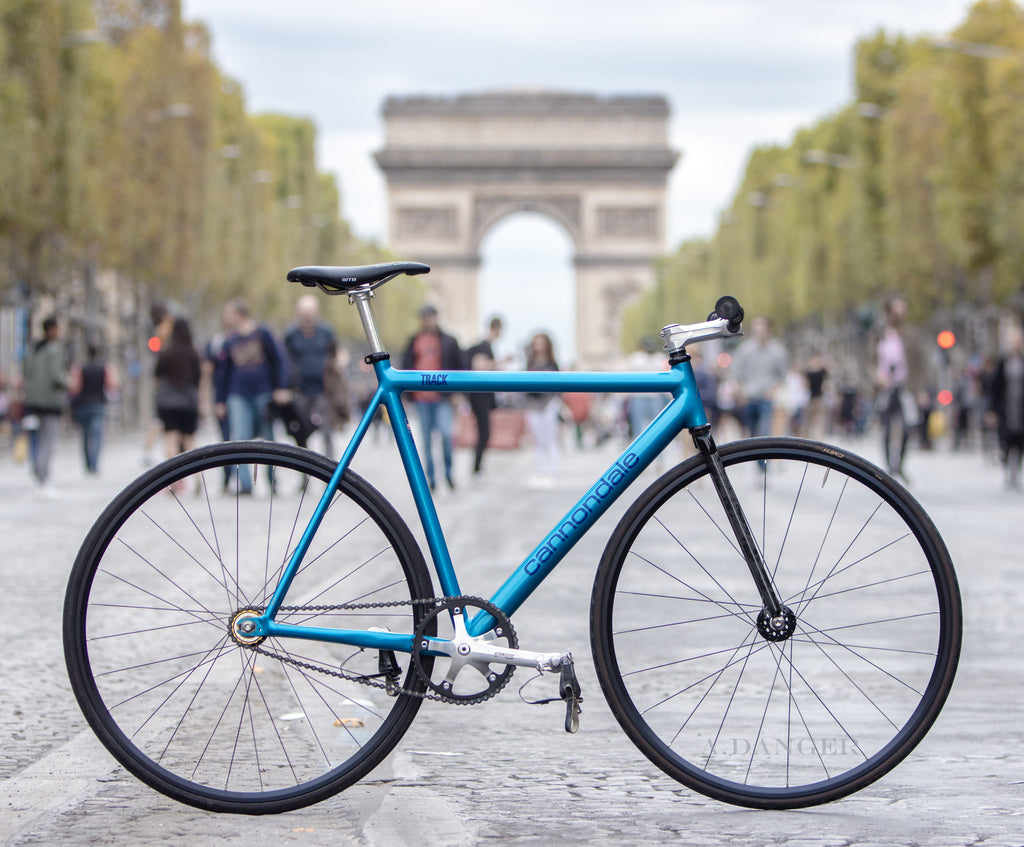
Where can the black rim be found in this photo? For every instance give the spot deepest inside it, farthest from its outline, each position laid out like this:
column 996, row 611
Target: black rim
column 711, row 675
column 196, row 715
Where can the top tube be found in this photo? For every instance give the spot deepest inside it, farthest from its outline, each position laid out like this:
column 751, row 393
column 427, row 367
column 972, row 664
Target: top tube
column 467, row 382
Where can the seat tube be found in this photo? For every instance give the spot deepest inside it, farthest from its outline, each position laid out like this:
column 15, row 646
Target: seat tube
column 420, row 490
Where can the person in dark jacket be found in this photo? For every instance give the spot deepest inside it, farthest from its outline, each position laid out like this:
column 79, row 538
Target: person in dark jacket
column 253, row 372
column 433, row 350
column 480, row 357
column 1007, row 406
column 92, row 384
column 311, row 344
column 177, row 390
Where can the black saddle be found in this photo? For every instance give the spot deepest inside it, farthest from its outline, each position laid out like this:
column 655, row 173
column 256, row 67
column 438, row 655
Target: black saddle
column 337, row 280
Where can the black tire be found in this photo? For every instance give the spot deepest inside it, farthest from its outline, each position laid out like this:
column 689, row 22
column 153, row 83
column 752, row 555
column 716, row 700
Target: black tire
column 173, row 697
column 788, row 723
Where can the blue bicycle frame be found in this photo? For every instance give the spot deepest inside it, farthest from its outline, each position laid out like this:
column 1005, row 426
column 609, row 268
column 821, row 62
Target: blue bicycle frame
column 684, row 411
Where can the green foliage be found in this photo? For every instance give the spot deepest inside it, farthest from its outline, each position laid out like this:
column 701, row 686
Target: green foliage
column 126, row 148
column 916, row 187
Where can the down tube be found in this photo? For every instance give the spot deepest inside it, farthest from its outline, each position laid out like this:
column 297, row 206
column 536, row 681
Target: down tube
column 685, row 408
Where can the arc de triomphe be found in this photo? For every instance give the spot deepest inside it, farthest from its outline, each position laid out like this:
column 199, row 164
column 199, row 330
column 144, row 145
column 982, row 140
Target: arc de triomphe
column 598, row 166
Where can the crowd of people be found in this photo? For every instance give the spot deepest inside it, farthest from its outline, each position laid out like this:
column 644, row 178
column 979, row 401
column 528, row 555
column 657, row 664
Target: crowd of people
column 251, row 382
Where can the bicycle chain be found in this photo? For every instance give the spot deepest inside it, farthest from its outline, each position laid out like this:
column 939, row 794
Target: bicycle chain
column 365, row 680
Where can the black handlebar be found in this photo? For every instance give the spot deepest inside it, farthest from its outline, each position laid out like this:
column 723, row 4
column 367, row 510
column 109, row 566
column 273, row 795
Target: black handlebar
column 728, row 308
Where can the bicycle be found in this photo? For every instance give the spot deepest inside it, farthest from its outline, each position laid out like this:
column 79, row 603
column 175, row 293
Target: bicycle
column 775, row 623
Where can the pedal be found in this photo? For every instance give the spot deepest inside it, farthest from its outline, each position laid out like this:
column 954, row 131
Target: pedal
column 569, row 688
column 388, row 667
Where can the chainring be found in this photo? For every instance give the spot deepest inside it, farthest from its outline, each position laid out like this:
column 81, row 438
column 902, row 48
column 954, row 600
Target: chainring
column 453, row 687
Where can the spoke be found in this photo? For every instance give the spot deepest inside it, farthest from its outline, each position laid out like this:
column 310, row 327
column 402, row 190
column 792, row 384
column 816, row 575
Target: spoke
column 821, row 547
column 651, row 627
column 697, row 562
column 789, row 524
column 226, row 575
column 275, row 577
column 859, row 688
column 197, row 615
column 728, row 706
column 216, row 726
column 217, row 552
column 825, row 706
column 186, row 710
column 870, row 584
column 153, row 663
column 136, row 607
column 355, row 569
column 729, row 539
column 679, row 662
column 94, row 638
column 267, row 590
column 324, row 681
column 717, row 675
column 247, row 675
column 732, row 660
column 680, row 597
column 764, row 716
column 805, row 603
column 209, row 658
column 878, row 621
column 850, row 649
column 273, row 724
column 834, row 573
column 165, row 576
column 188, row 553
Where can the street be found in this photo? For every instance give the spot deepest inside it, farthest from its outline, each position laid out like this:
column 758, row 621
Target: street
column 505, row 772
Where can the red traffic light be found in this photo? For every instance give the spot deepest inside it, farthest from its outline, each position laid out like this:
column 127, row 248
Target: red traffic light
column 154, row 343
column 945, row 339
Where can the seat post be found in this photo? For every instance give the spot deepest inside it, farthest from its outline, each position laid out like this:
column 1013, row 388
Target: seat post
column 361, row 298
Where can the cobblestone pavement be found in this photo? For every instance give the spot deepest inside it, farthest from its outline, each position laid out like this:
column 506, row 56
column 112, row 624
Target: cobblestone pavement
column 505, row 772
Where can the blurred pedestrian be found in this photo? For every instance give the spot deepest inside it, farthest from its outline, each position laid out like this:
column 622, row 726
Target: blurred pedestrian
column 252, row 372
column 899, row 377
column 211, row 370
column 1007, row 405
column 480, row 357
column 433, row 350
column 816, row 374
column 542, row 413
column 642, row 408
column 177, row 389
column 337, row 408
column 760, row 370
column 92, row 384
column 309, row 344
column 162, row 321
column 45, row 386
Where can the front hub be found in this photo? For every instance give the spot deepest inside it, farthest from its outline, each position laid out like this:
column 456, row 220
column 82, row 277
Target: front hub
column 245, row 628
column 776, row 627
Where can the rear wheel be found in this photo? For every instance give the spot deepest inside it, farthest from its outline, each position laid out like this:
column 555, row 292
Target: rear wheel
column 799, row 715
column 184, row 706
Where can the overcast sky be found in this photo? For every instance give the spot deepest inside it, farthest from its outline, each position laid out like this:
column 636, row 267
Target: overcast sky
column 737, row 73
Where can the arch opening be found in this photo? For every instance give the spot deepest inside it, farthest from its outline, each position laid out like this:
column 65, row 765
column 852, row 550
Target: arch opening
column 528, row 278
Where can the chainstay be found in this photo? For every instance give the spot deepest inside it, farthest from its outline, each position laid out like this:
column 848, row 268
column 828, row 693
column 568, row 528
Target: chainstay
column 365, row 680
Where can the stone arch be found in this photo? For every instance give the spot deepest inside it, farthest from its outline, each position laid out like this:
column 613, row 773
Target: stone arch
column 490, row 211
column 598, row 166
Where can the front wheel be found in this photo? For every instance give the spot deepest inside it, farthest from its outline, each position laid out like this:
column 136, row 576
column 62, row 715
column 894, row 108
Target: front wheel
column 753, row 716
column 188, row 708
